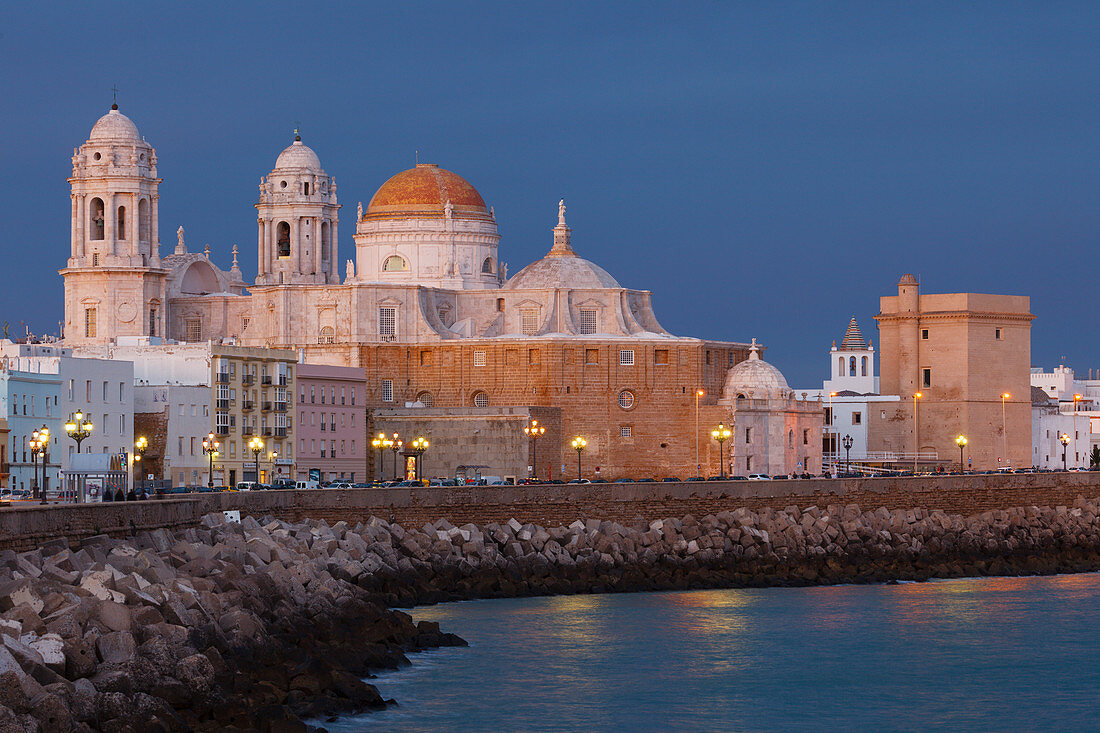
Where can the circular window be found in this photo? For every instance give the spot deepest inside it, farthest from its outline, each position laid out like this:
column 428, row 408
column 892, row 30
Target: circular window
column 481, row 399
column 282, row 184
column 426, row 399
column 626, row 399
column 97, row 156
column 141, row 157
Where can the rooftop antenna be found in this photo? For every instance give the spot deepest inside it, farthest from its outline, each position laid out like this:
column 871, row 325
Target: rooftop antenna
column 114, row 96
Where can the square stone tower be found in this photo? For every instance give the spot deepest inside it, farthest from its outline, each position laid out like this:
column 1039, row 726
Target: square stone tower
column 968, row 356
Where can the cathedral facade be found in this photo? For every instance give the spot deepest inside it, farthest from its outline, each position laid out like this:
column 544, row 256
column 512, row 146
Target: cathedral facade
column 424, row 305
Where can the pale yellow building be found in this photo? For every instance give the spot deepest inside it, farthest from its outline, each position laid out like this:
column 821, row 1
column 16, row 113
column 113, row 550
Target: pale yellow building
column 962, row 353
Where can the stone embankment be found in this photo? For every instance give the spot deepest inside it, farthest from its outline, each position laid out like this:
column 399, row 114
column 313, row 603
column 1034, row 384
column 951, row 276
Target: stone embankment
column 261, row 624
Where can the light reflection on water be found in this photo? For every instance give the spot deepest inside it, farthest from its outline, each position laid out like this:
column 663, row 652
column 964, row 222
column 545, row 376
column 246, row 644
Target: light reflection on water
column 989, row 654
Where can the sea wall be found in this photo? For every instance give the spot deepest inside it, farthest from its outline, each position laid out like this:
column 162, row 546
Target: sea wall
column 25, row 526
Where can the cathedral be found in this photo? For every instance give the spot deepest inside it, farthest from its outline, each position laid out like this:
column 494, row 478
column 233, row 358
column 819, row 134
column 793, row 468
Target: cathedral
column 422, row 304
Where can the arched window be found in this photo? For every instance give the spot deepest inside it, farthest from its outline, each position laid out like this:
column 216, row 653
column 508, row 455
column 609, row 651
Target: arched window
column 327, row 335
column 426, row 399
column 790, row 439
column 840, row 367
column 144, row 223
column 282, row 239
column 852, row 367
column 864, row 374
column 305, row 188
column 326, row 241
column 97, row 219
column 120, row 233
column 394, row 263
column 487, row 266
column 481, row 399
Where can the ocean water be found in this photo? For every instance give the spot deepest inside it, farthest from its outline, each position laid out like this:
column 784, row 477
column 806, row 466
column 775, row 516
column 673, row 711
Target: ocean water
column 990, row 654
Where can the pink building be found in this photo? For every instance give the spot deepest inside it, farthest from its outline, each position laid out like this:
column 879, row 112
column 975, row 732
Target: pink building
column 332, row 423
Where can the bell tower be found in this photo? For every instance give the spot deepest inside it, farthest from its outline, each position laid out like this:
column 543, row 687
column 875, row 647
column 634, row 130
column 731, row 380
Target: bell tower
column 297, row 222
column 114, row 282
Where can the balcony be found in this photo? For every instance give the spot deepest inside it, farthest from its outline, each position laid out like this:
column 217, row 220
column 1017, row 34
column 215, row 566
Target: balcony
column 265, row 380
column 282, row 380
column 221, row 430
column 280, row 432
column 246, row 430
column 267, row 430
column 280, row 407
column 223, row 378
column 248, row 379
column 247, row 405
column 267, row 406
column 223, row 404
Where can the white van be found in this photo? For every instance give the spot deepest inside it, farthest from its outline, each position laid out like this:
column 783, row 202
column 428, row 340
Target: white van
column 246, row 486
column 309, row 484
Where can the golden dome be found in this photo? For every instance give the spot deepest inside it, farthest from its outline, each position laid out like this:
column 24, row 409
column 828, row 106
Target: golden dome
column 423, row 192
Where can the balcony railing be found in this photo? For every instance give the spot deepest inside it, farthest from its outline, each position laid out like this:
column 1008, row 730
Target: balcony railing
column 265, row 380
column 267, row 406
column 223, row 404
column 282, row 380
column 223, row 377
column 248, row 379
column 246, row 430
column 280, row 432
column 247, row 405
column 267, row 431
column 221, row 430
column 280, row 407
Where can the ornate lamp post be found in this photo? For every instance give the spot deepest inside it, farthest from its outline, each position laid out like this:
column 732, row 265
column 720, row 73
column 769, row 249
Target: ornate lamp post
column 579, row 445
column 1004, row 427
column 78, row 429
column 140, row 446
column 961, row 441
column 916, row 432
column 381, row 443
column 847, row 443
column 534, row 431
column 256, row 445
column 274, row 456
column 210, row 447
column 396, row 444
column 1064, row 440
column 1076, row 451
column 721, row 434
column 419, row 445
column 38, row 443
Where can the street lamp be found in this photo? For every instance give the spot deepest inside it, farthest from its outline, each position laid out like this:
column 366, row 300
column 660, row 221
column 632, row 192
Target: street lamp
column 381, row 443
column 78, row 428
column 419, row 445
column 847, row 442
column 210, row 447
column 274, row 456
column 1064, row 440
column 721, row 434
column 396, row 444
column 39, row 443
column 140, row 446
column 916, row 431
column 534, row 431
column 698, row 466
column 829, row 435
column 256, row 445
column 579, row 444
column 1004, row 427
column 1076, row 451
column 961, row 442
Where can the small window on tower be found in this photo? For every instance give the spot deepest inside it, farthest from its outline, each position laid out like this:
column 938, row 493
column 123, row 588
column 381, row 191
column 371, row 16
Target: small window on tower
column 530, row 319
column 998, row 335
column 95, row 259
column 926, row 377
column 394, row 263
column 924, row 334
column 89, row 322
column 194, row 329
column 587, row 321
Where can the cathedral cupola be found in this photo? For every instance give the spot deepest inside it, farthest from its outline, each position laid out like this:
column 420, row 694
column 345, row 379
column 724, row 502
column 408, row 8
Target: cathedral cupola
column 297, row 223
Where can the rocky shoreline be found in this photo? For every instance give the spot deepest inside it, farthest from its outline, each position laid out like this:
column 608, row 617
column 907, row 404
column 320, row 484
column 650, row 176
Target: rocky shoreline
column 261, row 624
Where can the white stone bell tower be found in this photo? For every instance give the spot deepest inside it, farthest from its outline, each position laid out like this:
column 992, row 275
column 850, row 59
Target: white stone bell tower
column 297, row 221
column 114, row 282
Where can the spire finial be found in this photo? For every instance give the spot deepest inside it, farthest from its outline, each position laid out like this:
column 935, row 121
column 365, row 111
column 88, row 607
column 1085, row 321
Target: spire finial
column 297, row 131
column 234, row 255
column 206, row 250
column 114, row 96
column 562, row 245
column 561, row 213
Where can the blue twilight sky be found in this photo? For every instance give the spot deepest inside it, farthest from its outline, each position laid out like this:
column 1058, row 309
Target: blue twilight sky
column 766, row 169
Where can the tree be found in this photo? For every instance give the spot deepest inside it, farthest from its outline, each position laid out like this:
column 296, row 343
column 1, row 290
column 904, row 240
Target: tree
column 1094, row 457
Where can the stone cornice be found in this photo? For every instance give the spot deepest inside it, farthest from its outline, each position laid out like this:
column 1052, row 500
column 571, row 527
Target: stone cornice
column 954, row 316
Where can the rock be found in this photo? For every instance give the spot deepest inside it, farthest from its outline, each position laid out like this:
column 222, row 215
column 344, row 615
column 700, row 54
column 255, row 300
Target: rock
column 116, row 647
column 196, row 672
column 114, row 616
column 52, row 650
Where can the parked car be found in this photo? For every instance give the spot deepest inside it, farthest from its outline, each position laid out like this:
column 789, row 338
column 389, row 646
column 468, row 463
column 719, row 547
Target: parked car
column 307, row 484
column 340, row 485
column 580, row 481
column 669, row 479
column 759, row 477
column 246, row 486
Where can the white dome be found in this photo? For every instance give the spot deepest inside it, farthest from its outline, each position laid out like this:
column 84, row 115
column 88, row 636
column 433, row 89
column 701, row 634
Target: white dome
column 114, row 126
column 755, row 378
column 555, row 271
column 298, row 155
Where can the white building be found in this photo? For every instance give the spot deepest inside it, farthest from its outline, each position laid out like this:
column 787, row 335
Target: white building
column 28, row 401
column 849, row 396
column 100, row 388
column 1072, row 410
column 185, row 411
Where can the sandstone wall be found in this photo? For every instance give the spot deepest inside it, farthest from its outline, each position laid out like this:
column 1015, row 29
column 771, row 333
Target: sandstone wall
column 27, row 526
